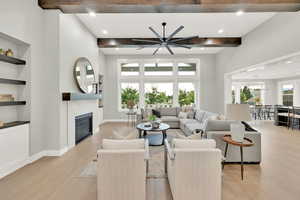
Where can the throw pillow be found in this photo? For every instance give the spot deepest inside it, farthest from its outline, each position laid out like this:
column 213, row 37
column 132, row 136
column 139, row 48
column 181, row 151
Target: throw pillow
column 156, row 113
column 191, row 115
column 123, row 144
column 183, row 115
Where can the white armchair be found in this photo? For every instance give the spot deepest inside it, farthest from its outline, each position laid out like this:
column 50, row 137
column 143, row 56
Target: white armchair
column 122, row 166
column 194, row 169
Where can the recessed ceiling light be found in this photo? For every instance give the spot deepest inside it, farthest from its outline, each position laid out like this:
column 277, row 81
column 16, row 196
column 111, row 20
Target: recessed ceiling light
column 252, row 69
column 92, row 14
column 220, row 31
column 202, row 48
column 105, row 32
column 288, row 62
column 117, row 49
column 239, row 13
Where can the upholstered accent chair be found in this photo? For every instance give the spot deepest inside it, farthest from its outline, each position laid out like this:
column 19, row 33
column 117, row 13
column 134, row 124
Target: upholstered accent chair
column 122, row 169
column 194, row 169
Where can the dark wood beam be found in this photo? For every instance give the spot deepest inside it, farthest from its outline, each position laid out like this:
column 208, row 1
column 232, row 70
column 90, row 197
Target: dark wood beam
column 170, row 6
column 196, row 42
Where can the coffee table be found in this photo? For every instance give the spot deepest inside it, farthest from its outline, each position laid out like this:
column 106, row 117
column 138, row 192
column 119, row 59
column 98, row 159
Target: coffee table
column 154, row 138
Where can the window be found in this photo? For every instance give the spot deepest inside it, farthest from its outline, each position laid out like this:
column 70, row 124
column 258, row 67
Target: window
column 129, row 95
column 187, row 69
column 158, row 82
column 159, row 93
column 233, row 94
column 287, row 94
column 186, row 96
column 158, row 69
column 256, row 92
column 130, row 69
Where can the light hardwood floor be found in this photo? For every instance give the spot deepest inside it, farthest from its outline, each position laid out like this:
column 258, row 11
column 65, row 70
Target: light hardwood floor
column 51, row 178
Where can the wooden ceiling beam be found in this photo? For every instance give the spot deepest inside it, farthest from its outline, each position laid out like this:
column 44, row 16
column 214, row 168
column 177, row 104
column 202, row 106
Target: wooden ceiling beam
column 196, row 42
column 170, row 6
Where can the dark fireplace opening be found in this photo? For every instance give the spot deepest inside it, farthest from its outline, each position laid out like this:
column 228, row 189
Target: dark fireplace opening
column 83, row 126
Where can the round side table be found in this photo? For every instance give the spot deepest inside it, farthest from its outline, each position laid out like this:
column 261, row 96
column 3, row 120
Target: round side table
column 246, row 143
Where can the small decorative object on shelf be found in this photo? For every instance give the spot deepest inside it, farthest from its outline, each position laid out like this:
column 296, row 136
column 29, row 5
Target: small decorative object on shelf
column 6, row 97
column 2, row 52
column 1, row 124
column 9, row 53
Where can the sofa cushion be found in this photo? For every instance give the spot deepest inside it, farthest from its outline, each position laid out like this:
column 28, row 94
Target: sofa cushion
column 218, row 125
column 183, row 115
column 194, row 126
column 123, row 144
column 209, row 115
column 169, row 111
column 194, row 144
column 188, row 121
column 199, row 115
column 169, row 119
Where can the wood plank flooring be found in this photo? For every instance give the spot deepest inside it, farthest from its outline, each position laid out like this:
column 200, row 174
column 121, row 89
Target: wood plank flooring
column 57, row 178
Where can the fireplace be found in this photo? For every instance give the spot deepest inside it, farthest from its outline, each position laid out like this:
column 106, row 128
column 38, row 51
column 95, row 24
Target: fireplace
column 83, row 127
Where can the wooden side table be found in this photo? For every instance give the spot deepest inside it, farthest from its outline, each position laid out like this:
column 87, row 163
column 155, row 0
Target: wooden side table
column 246, row 143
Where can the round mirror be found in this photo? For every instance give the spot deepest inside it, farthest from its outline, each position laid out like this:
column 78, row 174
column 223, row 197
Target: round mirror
column 84, row 75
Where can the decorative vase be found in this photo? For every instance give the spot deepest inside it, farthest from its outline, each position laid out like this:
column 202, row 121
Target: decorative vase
column 9, row 52
column 155, row 124
column 237, row 132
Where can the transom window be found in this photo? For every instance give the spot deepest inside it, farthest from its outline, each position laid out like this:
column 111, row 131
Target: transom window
column 158, row 82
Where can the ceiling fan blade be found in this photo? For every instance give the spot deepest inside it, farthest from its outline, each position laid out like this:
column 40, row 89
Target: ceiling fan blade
column 169, row 49
column 142, row 40
column 180, row 45
column 155, row 33
column 175, row 32
column 156, row 51
column 147, row 46
column 186, row 38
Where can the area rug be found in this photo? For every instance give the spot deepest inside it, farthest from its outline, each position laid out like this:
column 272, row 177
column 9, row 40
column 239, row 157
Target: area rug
column 156, row 161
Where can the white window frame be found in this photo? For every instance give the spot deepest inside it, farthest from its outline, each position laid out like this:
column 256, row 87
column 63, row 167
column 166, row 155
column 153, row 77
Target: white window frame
column 280, row 94
column 175, row 79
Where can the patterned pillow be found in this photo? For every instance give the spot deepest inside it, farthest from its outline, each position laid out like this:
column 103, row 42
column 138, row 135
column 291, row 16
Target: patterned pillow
column 199, row 115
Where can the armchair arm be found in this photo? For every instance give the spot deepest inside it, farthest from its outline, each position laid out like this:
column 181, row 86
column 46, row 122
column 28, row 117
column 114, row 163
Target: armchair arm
column 147, row 154
column 170, row 152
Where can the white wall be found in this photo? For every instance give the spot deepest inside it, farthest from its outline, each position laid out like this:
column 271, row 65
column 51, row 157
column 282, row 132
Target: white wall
column 208, row 93
column 275, row 38
column 24, row 20
column 75, row 41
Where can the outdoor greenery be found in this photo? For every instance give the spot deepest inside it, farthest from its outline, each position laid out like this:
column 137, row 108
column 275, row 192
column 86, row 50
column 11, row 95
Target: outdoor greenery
column 156, row 97
column 130, row 97
column 250, row 97
column 186, row 98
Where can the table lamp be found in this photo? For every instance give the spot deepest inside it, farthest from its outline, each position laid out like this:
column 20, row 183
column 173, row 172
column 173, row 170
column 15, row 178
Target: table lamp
column 238, row 112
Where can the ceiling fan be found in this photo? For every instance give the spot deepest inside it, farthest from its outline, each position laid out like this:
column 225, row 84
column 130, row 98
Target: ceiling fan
column 164, row 41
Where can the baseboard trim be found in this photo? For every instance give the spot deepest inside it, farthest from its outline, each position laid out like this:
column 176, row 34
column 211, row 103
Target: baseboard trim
column 12, row 167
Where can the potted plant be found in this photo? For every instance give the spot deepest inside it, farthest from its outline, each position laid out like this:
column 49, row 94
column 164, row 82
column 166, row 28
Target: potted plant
column 154, row 122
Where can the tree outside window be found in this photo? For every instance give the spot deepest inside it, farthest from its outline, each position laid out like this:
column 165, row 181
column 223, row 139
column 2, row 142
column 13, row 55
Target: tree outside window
column 159, row 93
column 186, row 96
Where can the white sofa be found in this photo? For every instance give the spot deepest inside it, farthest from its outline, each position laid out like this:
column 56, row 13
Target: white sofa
column 216, row 129
column 194, row 169
column 122, row 166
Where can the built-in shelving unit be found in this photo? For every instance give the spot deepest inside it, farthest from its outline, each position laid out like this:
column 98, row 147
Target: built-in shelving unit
column 68, row 96
column 12, row 60
column 12, row 103
column 12, row 81
column 13, row 124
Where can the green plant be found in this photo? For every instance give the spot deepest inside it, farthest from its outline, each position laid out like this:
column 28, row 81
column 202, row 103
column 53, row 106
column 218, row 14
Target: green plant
column 152, row 118
column 155, row 97
column 186, row 97
column 129, row 97
column 245, row 94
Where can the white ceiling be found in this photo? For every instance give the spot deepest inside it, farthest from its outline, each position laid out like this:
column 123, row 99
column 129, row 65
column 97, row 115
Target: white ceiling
column 285, row 68
column 201, row 24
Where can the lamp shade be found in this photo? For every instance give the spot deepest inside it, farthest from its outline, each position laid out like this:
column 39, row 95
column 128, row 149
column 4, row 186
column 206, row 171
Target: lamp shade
column 239, row 112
